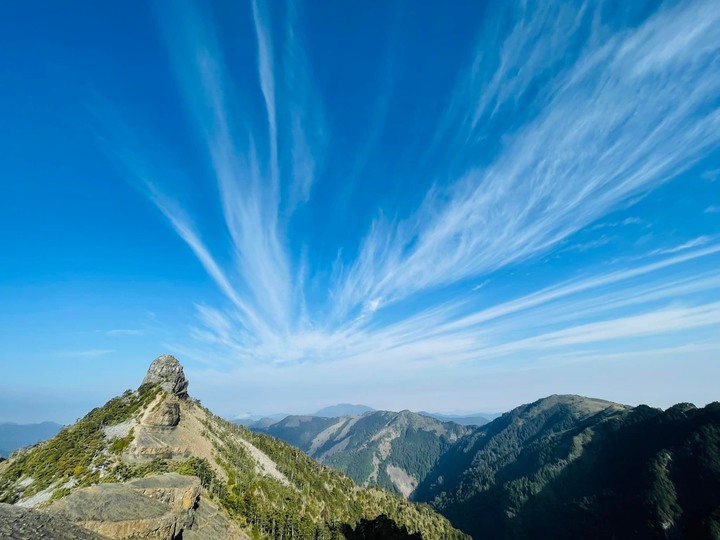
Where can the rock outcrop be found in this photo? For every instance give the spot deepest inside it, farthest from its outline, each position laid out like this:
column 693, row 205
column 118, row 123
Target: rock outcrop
column 167, row 430
column 121, row 439
column 181, row 493
column 18, row 523
column 168, row 373
column 167, row 415
column 158, row 507
column 212, row 523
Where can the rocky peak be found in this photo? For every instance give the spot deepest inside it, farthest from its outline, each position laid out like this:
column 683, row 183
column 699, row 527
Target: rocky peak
column 168, row 373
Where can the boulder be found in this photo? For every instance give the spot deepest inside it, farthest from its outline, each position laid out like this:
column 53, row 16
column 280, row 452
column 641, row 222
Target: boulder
column 167, row 372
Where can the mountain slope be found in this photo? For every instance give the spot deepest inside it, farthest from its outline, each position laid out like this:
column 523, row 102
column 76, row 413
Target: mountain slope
column 569, row 467
column 262, row 484
column 463, row 420
column 392, row 450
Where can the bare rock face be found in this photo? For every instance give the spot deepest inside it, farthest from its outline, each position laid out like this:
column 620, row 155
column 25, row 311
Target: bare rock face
column 180, row 492
column 167, row 430
column 159, row 507
column 168, row 373
column 167, row 415
column 26, row 524
column 212, row 523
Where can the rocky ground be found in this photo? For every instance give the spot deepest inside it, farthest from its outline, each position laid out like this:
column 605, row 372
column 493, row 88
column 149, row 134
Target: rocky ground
column 27, row 524
column 158, row 506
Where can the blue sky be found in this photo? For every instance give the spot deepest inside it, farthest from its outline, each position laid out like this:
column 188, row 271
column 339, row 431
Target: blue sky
column 453, row 207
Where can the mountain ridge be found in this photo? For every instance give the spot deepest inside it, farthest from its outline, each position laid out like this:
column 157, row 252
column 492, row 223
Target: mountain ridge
column 567, row 466
column 342, row 409
column 265, row 486
column 373, row 448
column 545, row 469
column 478, row 419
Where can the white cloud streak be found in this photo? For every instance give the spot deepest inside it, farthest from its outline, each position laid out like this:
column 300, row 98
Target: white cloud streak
column 308, row 131
column 267, row 83
column 630, row 112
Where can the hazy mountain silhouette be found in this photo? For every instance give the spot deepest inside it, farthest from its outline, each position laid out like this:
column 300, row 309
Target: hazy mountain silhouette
column 14, row 436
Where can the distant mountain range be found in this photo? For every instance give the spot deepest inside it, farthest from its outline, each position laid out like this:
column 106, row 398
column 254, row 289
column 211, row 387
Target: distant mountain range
column 261, row 421
column 561, row 467
column 343, row 409
column 389, row 449
column 14, row 436
column 348, row 409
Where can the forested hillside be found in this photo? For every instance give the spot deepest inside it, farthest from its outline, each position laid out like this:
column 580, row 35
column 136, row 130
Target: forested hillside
column 570, row 467
column 392, row 450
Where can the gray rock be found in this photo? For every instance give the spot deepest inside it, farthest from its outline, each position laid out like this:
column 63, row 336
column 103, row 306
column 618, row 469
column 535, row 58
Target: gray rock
column 168, row 373
column 26, row 524
column 159, row 507
column 166, row 415
column 212, row 523
column 108, row 503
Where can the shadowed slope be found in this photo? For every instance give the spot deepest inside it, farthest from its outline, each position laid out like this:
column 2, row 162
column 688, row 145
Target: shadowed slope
column 570, row 467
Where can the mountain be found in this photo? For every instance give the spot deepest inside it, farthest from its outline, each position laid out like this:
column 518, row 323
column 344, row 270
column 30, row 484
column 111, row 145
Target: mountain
column 478, row 419
column 573, row 467
column 393, row 450
column 343, row 409
column 561, row 467
column 14, row 436
column 259, row 421
column 256, row 423
column 264, row 422
column 155, row 463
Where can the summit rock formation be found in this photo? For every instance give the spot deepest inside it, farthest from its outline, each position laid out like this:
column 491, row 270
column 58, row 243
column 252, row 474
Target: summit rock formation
column 167, row 372
column 154, row 463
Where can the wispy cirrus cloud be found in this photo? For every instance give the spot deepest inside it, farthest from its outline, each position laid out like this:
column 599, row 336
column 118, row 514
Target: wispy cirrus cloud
column 644, row 291
column 125, row 332
column 624, row 222
column 695, row 242
column 629, row 114
column 629, row 110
